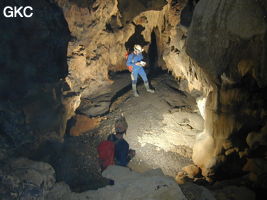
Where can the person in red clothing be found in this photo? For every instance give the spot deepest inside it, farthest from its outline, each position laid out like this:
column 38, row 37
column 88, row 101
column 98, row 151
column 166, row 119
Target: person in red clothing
column 122, row 154
column 115, row 150
column 106, row 151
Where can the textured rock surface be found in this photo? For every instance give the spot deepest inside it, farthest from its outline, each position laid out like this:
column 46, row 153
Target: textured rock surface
column 102, row 31
column 33, row 64
column 132, row 185
column 196, row 192
column 95, row 49
column 191, row 170
column 99, row 103
column 234, row 192
column 25, row 179
column 223, row 35
column 83, row 124
column 86, row 40
column 58, row 191
column 229, row 44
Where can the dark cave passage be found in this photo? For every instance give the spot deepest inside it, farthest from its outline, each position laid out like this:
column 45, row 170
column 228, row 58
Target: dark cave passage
column 153, row 50
column 154, row 68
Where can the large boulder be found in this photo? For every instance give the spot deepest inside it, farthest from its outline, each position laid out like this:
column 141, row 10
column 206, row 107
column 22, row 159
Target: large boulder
column 26, row 179
column 225, row 34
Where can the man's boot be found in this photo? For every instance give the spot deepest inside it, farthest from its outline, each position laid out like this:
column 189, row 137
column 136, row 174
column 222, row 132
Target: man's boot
column 148, row 89
column 134, row 90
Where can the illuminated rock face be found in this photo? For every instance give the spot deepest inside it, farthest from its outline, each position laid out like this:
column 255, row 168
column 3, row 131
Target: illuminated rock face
column 104, row 30
column 97, row 45
column 229, row 44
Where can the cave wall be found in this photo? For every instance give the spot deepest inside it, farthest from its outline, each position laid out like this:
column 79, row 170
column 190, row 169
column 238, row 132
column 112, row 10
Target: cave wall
column 97, row 44
column 171, row 36
column 102, row 30
column 229, row 44
column 66, row 50
column 33, row 65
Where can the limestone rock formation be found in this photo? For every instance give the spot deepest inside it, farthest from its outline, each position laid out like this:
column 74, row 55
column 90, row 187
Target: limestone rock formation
column 83, row 124
column 25, row 179
column 58, row 191
column 191, row 170
column 195, row 192
column 229, row 44
column 94, row 49
column 33, row 64
column 131, row 185
column 102, row 31
column 234, row 192
column 216, row 33
column 98, row 103
column 60, row 61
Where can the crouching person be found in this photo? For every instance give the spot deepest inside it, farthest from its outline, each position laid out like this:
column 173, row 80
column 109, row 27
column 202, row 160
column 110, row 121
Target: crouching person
column 115, row 150
column 122, row 152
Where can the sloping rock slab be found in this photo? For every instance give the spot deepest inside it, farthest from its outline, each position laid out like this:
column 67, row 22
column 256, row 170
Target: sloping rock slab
column 133, row 186
column 99, row 103
column 196, row 192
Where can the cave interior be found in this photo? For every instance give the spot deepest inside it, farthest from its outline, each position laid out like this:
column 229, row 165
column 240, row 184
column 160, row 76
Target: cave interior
column 64, row 82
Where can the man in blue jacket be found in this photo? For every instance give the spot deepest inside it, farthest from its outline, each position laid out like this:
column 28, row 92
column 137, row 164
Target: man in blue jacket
column 135, row 60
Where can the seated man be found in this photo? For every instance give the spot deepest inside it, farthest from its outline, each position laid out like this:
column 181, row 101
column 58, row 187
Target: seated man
column 122, row 152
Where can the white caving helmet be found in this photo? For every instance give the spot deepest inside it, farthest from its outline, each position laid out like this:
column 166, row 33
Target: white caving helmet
column 138, row 48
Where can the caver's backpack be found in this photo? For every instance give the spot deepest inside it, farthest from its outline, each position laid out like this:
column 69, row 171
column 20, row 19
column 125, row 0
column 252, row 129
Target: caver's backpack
column 130, row 68
column 106, row 152
column 106, row 149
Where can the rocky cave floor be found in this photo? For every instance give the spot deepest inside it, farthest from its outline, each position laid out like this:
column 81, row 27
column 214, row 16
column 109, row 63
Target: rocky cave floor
column 161, row 128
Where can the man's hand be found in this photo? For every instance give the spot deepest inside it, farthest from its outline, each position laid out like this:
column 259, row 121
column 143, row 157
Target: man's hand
column 131, row 153
column 141, row 63
column 138, row 64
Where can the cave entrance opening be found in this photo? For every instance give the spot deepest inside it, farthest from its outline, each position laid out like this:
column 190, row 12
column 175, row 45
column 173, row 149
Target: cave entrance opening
column 153, row 50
